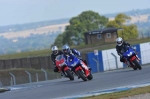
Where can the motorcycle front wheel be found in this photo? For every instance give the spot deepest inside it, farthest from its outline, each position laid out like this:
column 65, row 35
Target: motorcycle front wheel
column 81, row 75
column 69, row 74
column 137, row 64
column 90, row 77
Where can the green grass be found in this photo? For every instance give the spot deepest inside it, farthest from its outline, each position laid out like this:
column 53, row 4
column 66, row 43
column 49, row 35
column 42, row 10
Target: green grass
column 117, row 95
column 26, row 54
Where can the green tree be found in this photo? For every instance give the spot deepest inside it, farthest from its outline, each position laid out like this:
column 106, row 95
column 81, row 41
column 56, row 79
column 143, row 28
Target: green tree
column 129, row 31
column 86, row 21
column 58, row 40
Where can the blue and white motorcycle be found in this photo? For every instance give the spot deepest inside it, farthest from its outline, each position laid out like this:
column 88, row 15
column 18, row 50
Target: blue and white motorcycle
column 131, row 58
column 75, row 64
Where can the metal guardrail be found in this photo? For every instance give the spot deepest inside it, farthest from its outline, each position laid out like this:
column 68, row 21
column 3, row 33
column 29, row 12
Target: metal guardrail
column 14, row 78
column 45, row 73
column 30, row 80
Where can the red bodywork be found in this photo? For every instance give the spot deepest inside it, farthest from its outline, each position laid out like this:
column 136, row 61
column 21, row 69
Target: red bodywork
column 87, row 72
column 131, row 59
column 60, row 64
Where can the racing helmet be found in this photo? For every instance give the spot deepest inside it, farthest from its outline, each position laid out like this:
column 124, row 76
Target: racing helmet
column 66, row 49
column 119, row 41
column 54, row 50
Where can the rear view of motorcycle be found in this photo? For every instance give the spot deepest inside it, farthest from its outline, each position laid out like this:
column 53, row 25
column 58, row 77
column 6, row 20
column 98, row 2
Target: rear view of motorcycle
column 131, row 58
column 63, row 68
column 83, row 72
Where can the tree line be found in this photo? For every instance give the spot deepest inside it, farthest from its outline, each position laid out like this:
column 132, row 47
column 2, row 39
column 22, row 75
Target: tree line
column 90, row 20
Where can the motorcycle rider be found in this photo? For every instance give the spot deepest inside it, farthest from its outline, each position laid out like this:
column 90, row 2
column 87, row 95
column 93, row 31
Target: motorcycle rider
column 121, row 44
column 67, row 51
column 55, row 53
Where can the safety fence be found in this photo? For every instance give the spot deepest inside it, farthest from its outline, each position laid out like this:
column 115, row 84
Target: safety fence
column 14, row 77
column 10, row 75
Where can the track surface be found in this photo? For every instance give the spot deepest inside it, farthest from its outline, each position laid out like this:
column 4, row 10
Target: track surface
column 64, row 87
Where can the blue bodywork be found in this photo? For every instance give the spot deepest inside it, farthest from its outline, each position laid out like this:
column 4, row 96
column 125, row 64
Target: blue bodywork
column 128, row 52
column 72, row 61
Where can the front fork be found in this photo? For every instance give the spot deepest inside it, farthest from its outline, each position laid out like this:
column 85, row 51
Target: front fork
column 63, row 72
column 85, row 71
column 133, row 58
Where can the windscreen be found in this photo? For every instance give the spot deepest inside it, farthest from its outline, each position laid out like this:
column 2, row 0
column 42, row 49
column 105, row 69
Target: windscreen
column 59, row 57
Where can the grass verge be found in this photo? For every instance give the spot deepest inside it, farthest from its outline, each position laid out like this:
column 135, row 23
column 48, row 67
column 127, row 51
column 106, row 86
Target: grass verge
column 121, row 94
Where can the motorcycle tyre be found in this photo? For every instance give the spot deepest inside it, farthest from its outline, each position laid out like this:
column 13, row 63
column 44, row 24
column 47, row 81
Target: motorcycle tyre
column 137, row 64
column 81, row 75
column 90, row 77
column 69, row 74
column 135, row 68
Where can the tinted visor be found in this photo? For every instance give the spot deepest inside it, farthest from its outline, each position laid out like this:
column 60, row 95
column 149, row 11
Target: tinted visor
column 65, row 51
column 119, row 42
column 55, row 51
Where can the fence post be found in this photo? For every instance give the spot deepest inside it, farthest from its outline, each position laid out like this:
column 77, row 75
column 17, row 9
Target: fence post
column 97, row 64
column 30, row 80
column 37, row 77
column 46, row 62
column 11, row 81
column 115, row 59
column 97, row 61
column 1, row 85
column 45, row 73
column 14, row 78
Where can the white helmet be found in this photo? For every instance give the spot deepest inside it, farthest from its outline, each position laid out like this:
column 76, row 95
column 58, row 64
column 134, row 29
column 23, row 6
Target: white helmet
column 119, row 41
column 55, row 50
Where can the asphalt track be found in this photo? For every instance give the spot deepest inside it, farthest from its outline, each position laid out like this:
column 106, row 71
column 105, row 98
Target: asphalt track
column 63, row 87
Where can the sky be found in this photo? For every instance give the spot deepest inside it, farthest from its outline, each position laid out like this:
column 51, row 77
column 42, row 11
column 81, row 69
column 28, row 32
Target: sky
column 26, row 11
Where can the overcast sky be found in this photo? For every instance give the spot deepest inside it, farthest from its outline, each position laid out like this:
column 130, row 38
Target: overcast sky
column 25, row 11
